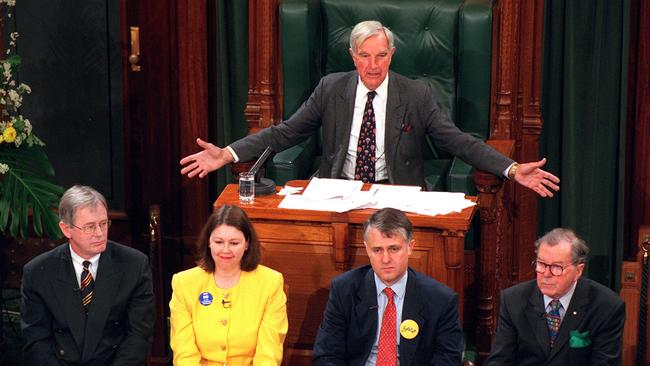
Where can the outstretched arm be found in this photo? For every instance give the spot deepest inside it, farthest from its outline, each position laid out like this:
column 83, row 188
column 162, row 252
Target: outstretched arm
column 531, row 176
column 208, row 160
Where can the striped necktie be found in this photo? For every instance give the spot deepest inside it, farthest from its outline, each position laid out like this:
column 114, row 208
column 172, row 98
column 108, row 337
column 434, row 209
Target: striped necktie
column 87, row 285
column 553, row 319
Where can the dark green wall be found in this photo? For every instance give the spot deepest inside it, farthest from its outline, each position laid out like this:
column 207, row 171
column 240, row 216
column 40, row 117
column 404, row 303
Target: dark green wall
column 70, row 51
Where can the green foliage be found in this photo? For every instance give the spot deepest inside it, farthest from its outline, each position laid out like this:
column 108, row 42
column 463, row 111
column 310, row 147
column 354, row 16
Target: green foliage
column 27, row 185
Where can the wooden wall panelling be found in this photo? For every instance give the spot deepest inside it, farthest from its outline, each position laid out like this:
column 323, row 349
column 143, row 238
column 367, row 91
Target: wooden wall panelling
column 165, row 109
column 631, row 281
column 192, row 64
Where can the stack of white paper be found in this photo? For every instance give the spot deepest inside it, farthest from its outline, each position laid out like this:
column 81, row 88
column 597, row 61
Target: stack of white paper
column 339, row 195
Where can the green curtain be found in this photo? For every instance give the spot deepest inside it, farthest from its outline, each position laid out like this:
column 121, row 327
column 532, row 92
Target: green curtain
column 584, row 68
column 228, row 78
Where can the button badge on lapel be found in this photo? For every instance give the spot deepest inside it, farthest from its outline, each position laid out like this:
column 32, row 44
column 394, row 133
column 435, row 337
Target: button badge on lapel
column 409, row 329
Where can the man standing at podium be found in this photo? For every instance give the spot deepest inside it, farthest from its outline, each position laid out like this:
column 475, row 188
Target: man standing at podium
column 373, row 123
column 386, row 312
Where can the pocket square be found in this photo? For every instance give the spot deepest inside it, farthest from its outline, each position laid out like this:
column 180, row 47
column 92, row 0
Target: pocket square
column 579, row 340
column 407, row 127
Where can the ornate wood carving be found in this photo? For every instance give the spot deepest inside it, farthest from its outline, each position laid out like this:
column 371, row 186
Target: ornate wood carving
column 495, row 253
column 262, row 108
column 515, row 110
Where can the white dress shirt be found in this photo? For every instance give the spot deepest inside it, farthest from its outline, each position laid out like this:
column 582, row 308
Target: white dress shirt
column 399, row 289
column 77, row 263
column 379, row 106
column 564, row 300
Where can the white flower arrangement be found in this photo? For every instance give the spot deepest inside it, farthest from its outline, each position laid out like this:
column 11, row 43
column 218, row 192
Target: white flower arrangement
column 26, row 189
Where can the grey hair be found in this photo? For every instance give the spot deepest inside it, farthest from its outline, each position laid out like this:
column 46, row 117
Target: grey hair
column 579, row 249
column 367, row 29
column 78, row 196
column 389, row 221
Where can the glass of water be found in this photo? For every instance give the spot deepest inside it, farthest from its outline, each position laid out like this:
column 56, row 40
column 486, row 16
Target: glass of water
column 246, row 187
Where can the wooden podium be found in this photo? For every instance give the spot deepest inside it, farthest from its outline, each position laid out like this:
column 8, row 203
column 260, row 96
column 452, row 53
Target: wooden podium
column 311, row 247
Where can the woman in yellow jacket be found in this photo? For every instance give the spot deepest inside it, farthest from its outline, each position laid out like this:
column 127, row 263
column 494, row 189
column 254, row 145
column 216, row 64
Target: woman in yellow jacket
column 229, row 310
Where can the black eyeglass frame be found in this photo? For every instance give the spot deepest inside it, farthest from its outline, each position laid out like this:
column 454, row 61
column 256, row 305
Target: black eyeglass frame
column 551, row 267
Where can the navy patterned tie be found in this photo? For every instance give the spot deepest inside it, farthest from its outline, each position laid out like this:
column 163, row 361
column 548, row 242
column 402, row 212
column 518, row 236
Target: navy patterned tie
column 553, row 319
column 87, row 286
column 365, row 168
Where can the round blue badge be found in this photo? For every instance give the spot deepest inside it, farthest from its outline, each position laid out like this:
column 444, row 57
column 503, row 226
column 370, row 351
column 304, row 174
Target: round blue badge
column 205, row 298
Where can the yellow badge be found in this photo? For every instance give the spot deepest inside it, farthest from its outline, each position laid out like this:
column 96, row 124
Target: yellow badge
column 409, row 329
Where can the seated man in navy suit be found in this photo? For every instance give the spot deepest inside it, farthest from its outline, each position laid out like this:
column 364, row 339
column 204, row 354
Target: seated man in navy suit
column 88, row 301
column 385, row 312
column 560, row 318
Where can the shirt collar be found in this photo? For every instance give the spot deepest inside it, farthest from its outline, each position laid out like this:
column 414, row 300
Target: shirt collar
column 77, row 259
column 399, row 287
column 362, row 91
column 564, row 300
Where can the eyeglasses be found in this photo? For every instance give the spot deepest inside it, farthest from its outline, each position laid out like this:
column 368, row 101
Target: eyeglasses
column 90, row 228
column 556, row 269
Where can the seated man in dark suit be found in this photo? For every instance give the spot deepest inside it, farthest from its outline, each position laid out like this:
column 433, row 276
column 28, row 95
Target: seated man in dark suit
column 385, row 312
column 374, row 123
column 88, row 301
column 560, row 318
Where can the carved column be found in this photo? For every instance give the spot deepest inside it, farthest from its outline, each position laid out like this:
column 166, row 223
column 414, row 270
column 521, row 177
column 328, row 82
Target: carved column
column 495, row 253
column 529, row 127
column 454, row 257
column 262, row 109
column 514, row 114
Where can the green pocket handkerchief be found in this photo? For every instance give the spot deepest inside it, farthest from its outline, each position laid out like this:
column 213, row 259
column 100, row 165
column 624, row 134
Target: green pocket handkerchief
column 579, row 340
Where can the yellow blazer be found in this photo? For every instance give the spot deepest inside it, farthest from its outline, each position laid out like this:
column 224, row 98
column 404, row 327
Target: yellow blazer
column 245, row 325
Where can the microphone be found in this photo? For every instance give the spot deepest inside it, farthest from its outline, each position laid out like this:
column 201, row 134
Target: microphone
column 373, row 307
column 543, row 315
column 225, row 304
column 263, row 186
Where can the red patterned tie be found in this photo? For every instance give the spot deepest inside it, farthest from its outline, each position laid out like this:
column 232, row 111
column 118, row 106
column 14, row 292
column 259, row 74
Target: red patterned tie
column 387, row 348
column 365, row 168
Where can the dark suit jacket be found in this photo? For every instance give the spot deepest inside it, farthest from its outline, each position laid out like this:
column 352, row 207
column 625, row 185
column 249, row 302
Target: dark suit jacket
column 522, row 334
column 349, row 326
column 119, row 327
column 411, row 114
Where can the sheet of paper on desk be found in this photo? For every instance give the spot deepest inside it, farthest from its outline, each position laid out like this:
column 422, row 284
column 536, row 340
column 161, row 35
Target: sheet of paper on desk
column 412, row 199
column 337, row 204
column 326, row 188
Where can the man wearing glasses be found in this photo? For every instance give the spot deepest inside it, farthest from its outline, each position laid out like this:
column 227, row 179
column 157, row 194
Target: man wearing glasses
column 559, row 318
column 90, row 300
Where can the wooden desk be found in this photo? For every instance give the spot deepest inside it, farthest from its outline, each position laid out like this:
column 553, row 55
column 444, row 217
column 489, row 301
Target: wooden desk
column 312, row 247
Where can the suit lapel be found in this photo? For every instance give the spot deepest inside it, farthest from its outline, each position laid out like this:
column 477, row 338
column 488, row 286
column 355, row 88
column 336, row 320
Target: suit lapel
column 108, row 279
column 394, row 120
column 535, row 314
column 66, row 290
column 366, row 312
column 412, row 310
column 572, row 317
column 345, row 110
